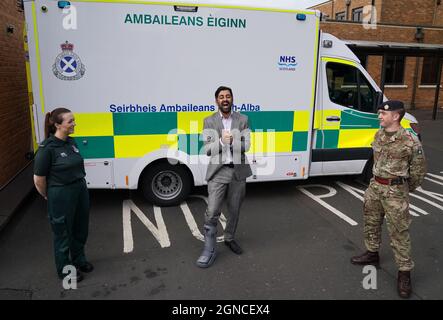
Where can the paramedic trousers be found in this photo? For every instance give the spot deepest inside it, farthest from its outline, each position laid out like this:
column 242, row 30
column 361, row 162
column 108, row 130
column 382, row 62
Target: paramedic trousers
column 68, row 211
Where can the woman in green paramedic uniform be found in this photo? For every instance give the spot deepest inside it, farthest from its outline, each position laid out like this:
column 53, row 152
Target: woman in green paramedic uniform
column 59, row 177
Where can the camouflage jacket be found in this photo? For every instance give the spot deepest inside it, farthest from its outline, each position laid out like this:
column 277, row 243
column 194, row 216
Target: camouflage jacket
column 399, row 155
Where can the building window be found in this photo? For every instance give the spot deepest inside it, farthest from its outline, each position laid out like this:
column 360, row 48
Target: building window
column 357, row 14
column 340, row 16
column 429, row 71
column 324, row 17
column 395, row 70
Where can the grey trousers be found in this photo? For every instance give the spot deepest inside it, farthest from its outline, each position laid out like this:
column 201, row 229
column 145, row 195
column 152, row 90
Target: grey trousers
column 222, row 185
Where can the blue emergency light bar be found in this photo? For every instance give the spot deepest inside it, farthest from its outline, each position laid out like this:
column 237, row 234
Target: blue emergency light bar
column 63, row 4
column 301, row 17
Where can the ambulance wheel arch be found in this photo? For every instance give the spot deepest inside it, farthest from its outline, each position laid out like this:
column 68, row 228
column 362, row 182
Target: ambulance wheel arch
column 366, row 175
column 166, row 182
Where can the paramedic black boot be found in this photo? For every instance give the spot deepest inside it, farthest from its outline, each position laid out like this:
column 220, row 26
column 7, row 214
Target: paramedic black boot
column 367, row 258
column 207, row 257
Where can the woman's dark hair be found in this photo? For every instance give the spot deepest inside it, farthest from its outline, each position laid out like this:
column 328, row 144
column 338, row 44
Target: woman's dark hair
column 51, row 118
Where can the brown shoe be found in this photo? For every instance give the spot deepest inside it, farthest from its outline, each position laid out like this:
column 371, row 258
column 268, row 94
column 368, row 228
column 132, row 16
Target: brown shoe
column 366, row 258
column 404, row 284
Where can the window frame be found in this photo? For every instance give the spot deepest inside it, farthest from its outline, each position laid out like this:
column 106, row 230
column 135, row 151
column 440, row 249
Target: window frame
column 340, row 14
column 395, row 69
column 357, row 11
column 434, row 67
column 361, row 78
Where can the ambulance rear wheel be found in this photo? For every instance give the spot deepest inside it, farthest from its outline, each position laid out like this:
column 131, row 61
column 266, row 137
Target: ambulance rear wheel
column 164, row 184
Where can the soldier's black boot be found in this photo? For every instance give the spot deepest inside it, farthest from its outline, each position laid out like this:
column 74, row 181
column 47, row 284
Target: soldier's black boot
column 368, row 257
column 404, row 286
column 208, row 255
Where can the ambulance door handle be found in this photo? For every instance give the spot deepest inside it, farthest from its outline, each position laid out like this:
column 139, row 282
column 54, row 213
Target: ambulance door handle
column 333, row 118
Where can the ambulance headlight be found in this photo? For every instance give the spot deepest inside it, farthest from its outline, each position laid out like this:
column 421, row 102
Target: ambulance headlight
column 63, row 4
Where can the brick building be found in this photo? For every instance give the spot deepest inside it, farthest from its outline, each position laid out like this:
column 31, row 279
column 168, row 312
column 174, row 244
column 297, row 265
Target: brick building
column 410, row 79
column 15, row 127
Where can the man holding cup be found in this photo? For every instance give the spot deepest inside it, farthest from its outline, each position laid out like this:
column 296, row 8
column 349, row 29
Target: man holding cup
column 226, row 137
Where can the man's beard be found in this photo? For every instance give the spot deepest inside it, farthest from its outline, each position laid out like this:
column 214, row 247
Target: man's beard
column 226, row 109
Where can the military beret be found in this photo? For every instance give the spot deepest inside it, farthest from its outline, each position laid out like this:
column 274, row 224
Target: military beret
column 391, row 105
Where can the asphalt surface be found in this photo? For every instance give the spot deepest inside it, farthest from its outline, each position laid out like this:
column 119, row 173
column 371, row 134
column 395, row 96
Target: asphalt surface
column 294, row 247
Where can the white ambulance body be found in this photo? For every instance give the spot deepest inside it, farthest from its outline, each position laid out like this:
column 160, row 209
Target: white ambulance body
column 140, row 78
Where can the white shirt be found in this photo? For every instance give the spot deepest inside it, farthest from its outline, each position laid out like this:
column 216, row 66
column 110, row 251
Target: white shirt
column 227, row 126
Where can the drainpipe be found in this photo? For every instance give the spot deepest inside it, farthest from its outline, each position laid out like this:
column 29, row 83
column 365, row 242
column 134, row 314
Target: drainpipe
column 437, row 89
column 419, row 36
column 437, row 3
column 383, row 72
column 415, row 83
column 372, row 12
column 348, row 3
column 333, row 13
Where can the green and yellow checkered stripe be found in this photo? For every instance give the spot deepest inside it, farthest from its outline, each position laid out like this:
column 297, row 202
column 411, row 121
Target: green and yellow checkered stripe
column 132, row 135
column 355, row 130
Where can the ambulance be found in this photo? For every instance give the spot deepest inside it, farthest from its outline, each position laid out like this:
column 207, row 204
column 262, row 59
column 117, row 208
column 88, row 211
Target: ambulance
column 140, row 77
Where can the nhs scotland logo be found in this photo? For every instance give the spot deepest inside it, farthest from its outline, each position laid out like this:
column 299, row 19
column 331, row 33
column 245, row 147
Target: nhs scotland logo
column 287, row 63
column 68, row 65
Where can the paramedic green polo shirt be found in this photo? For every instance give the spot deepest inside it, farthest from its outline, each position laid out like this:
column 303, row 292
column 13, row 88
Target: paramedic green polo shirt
column 60, row 161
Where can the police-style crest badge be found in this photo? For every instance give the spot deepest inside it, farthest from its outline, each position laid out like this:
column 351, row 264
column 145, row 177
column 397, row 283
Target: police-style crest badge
column 68, row 65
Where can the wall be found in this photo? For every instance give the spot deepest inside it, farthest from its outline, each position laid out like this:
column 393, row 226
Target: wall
column 15, row 132
column 332, row 7
column 415, row 12
column 425, row 96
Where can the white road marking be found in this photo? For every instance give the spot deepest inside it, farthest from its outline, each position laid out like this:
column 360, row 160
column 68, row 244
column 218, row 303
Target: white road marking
column 434, row 195
column 222, row 216
column 435, row 181
column 354, row 191
column 160, row 232
column 413, row 213
column 435, row 176
column 189, row 217
column 128, row 241
column 191, row 221
column 332, row 192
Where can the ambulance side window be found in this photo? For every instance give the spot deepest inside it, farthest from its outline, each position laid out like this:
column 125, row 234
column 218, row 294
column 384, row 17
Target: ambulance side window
column 367, row 95
column 348, row 87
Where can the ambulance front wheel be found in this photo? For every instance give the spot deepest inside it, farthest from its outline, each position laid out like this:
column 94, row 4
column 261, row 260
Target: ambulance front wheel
column 166, row 184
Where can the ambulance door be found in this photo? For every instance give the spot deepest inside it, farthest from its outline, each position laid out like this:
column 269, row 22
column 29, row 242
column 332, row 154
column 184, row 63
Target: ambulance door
column 348, row 119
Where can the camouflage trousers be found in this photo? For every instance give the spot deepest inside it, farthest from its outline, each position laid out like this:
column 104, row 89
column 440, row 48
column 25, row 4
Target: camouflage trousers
column 390, row 203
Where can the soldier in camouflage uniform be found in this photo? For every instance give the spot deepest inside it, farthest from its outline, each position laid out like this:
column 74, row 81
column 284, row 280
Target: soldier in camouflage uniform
column 399, row 168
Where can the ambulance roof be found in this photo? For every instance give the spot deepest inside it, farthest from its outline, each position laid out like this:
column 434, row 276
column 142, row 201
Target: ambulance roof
column 252, row 4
